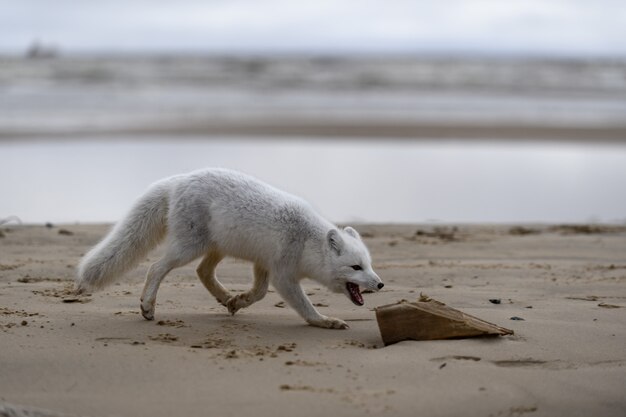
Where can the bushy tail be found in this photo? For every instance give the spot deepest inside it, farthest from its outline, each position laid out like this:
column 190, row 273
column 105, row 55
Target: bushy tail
column 127, row 243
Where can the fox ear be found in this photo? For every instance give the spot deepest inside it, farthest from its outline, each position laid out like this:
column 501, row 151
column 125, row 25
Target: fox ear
column 334, row 241
column 352, row 232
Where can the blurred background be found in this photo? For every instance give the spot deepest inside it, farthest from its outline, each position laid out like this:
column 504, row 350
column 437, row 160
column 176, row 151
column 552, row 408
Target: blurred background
column 466, row 111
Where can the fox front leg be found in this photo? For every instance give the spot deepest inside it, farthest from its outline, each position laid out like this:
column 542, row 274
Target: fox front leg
column 292, row 293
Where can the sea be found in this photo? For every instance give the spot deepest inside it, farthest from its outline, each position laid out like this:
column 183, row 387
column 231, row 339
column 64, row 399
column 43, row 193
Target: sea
column 70, row 151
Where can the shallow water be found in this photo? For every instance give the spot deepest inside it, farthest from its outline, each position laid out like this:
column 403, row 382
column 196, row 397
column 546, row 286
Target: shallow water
column 96, row 180
column 91, row 93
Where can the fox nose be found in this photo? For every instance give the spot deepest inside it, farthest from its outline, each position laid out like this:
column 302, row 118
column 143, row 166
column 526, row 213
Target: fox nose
column 380, row 285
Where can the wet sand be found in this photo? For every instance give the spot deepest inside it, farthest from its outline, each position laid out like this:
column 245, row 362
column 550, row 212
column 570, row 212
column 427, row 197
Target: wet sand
column 326, row 129
column 95, row 355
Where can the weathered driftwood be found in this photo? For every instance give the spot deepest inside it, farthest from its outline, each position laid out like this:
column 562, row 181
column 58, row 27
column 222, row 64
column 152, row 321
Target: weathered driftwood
column 428, row 319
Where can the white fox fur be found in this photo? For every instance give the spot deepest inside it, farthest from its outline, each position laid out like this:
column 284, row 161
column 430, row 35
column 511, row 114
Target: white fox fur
column 216, row 213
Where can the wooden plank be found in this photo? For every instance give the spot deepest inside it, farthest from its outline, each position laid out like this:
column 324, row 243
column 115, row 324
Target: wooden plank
column 428, row 319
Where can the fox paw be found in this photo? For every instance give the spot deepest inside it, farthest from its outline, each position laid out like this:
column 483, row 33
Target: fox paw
column 237, row 302
column 147, row 312
column 224, row 298
column 329, row 323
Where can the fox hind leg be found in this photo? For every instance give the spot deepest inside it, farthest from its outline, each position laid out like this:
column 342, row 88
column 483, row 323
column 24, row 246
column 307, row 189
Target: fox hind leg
column 156, row 273
column 254, row 294
column 206, row 273
column 174, row 257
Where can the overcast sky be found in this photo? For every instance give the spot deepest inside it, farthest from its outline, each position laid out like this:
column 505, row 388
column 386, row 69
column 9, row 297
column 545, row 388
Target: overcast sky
column 574, row 27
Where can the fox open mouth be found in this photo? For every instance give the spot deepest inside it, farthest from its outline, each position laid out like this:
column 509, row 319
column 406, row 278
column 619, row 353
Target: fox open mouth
column 355, row 293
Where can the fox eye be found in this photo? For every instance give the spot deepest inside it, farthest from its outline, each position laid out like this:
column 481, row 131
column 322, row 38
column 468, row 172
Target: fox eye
column 357, row 267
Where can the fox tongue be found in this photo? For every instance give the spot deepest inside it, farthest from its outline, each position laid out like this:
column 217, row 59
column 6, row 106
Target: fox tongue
column 355, row 294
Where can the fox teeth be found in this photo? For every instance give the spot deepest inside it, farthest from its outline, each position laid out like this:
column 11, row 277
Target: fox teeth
column 355, row 293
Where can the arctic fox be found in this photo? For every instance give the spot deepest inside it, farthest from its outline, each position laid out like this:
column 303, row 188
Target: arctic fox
column 216, row 213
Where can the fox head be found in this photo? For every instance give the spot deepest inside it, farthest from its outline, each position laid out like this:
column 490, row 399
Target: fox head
column 349, row 265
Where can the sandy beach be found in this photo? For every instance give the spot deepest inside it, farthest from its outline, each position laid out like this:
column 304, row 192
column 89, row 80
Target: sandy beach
column 95, row 356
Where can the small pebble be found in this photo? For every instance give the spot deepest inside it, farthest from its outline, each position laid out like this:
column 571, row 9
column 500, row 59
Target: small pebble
column 495, row 300
column 517, row 318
